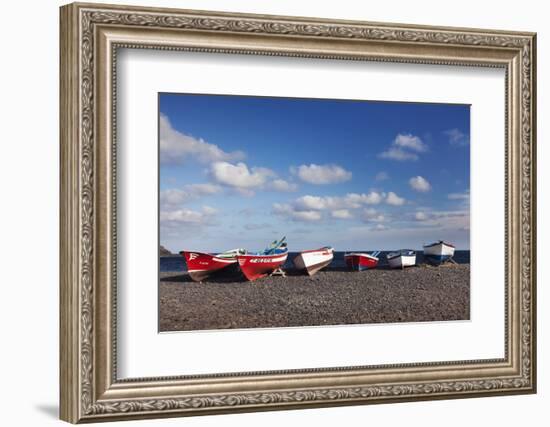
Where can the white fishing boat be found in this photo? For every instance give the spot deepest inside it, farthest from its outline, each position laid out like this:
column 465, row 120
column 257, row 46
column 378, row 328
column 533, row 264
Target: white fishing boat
column 401, row 258
column 438, row 252
column 314, row 260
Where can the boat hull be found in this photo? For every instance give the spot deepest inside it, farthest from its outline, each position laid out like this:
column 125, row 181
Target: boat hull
column 201, row 265
column 313, row 261
column 438, row 253
column 402, row 261
column 360, row 262
column 255, row 267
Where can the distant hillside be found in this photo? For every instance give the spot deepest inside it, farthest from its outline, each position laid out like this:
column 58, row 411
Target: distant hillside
column 164, row 251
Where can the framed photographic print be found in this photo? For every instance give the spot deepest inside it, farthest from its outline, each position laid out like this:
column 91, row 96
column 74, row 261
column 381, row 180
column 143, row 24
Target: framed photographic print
column 264, row 212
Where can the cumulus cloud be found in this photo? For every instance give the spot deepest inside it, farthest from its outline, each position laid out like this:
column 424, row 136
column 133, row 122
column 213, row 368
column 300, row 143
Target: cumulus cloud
column 372, row 215
column 421, row 216
column 349, row 201
column 239, row 175
column 394, row 200
column 245, row 181
column 312, row 208
column 404, row 147
column 282, row 185
column 187, row 216
column 322, row 174
column 341, row 214
column 395, row 153
column 307, row 215
column 456, row 137
column 372, row 198
column 179, row 196
column 449, row 219
column 288, row 211
column 410, row 142
column 176, row 147
column 420, row 184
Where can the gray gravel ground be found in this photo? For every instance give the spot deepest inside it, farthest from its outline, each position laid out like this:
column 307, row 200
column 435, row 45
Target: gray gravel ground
column 333, row 297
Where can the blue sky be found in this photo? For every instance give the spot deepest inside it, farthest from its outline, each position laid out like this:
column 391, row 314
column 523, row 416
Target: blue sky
column 241, row 171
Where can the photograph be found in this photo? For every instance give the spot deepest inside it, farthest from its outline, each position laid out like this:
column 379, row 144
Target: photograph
column 346, row 208
column 298, row 212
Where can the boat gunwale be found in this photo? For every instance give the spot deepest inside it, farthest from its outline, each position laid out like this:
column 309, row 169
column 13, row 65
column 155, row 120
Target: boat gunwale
column 439, row 243
column 361, row 254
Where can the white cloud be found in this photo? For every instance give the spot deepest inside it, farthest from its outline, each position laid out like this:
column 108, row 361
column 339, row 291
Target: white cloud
column 341, row 214
column 380, row 227
column 394, row 153
column 372, row 215
column 404, row 147
column 420, row 216
column 239, row 176
column 311, row 208
column 322, row 174
column 394, row 200
column 349, row 201
column 205, row 188
column 456, row 137
column 176, row 147
column 410, row 142
column 282, row 185
column 307, row 215
column 372, row 198
column 289, row 211
column 245, row 181
column 452, row 219
column 187, row 216
column 315, row 202
column 419, row 183
column 175, row 196
column 382, row 176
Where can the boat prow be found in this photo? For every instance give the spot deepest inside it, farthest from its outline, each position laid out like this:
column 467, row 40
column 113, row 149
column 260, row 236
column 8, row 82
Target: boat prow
column 401, row 258
column 201, row 265
column 256, row 266
column 359, row 261
column 314, row 260
column 438, row 252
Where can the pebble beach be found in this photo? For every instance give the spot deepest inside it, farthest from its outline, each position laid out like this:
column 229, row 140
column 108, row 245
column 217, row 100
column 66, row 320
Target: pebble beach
column 331, row 297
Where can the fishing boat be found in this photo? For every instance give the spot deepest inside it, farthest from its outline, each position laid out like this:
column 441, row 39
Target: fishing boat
column 201, row 265
column 314, row 260
column 258, row 265
column 438, row 252
column 361, row 261
column 401, row 258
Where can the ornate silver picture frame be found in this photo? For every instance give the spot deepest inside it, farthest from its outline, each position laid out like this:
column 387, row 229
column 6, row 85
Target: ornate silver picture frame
column 91, row 34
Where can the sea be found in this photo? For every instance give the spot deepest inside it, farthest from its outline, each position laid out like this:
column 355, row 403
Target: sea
column 177, row 262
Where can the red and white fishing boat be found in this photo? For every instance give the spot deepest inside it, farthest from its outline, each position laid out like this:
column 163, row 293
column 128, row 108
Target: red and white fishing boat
column 256, row 266
column 361, row 261
column 201, row 265
column 314, row 260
